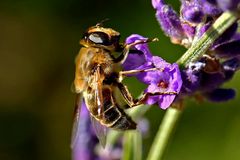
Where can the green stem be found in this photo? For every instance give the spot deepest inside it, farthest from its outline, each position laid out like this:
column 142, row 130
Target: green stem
column 132, row 145
column 165, row 130
column 127, row 146
column 133, row 139
column 202, row 45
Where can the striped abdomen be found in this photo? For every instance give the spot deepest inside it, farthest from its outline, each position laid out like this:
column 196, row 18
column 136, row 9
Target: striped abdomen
column 112, row 116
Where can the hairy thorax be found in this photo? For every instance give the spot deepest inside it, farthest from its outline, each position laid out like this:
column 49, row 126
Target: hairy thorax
column 86, row 63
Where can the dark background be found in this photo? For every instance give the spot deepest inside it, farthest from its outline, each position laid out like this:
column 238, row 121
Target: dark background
column 39, row 40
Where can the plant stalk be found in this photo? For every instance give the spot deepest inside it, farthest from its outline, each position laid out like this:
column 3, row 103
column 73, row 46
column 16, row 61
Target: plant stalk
column 165, row 131
column 208, row 38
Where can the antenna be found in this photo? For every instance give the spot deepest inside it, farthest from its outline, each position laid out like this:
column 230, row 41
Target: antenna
column 100, row 24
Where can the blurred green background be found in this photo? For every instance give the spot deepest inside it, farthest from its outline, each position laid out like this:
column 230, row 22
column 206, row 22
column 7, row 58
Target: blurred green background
column 39, row 40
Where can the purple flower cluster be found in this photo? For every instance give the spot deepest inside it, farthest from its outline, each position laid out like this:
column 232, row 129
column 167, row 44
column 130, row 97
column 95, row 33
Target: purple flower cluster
column 87, row 147
column 164, row 83
column 195, row 17
column 86, row 138
column 87, row 144
column 207, row 74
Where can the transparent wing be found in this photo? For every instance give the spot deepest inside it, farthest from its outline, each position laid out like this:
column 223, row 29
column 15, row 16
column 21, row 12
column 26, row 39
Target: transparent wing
column 100, row 130
column 76, row 121
column 98, row 81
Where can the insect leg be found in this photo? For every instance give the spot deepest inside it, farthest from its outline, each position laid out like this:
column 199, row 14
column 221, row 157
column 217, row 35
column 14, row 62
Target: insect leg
column 141, row 100
column 127, row 47
column 124, row 73
column 126, row 94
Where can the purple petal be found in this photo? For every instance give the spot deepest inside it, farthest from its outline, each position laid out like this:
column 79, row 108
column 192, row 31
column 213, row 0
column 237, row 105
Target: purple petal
column 211, row 81
column 226, row 36
column 157, row 3
column 143, row 126
column 166, row 100
column 203, row 29
column 156, row 62
column 134, row 60
column 228, row 50
column 189, row 30
column 210, row 7
column 152, row 100
column 228, row 4
column 146, row 77
column 153, row 88
column 230, row 67
column 169, row 21
column 159, row 63
column 220, row 95
column 172, row 78
column 143, row 76
column 141, row 47
column 86, row 140
column 154, row 77
column 232, row 64
column 191, row 11
column 140, row 57
column 176, row 78
column 191, row 80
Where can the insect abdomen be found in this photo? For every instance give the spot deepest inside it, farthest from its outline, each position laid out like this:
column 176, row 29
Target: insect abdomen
column 116, row 118
column 112, row 116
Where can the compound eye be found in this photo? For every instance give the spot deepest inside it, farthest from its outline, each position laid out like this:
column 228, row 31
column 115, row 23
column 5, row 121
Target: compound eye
column 115, row 39
column 99, row 38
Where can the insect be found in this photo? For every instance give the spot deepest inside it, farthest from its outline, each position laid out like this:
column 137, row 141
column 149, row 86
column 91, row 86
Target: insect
column 98, row 78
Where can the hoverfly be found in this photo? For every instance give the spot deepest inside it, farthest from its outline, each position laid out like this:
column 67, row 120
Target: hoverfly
column 98, row 77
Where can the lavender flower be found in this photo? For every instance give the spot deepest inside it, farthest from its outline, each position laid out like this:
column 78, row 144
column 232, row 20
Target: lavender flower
column 87, row 145
column 229, row 48
column 210, row 7
column 228, row 4
column 230, row 67
column 169, row 21
column 110, row 152
column 229, row 35
column 86, row 139
column 220, row 95
column 166, row 79
column 206, row 76
column 191, row 11
column 196, row 16
column 143, row 127
column 164, row 82
column 139, row 57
